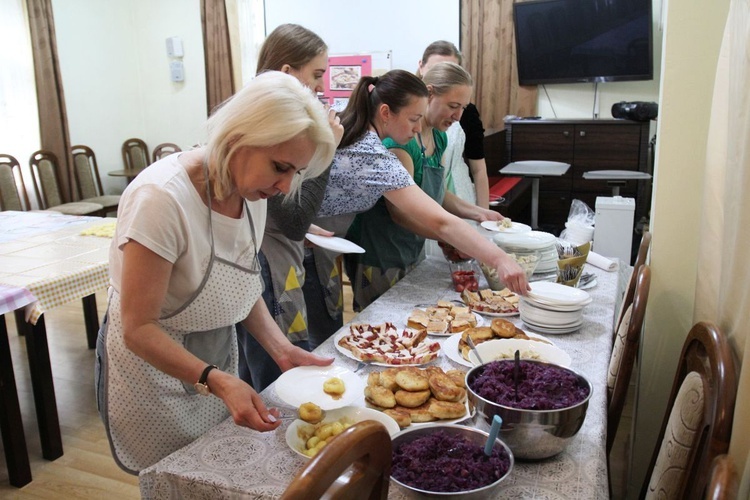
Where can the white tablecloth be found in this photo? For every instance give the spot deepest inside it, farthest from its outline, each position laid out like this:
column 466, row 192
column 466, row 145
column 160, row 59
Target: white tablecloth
column 234, row 462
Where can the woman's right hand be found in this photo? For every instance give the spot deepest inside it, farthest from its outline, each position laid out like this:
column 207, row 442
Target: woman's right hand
column 244, row 404
column 335, row 122
column 510, row 273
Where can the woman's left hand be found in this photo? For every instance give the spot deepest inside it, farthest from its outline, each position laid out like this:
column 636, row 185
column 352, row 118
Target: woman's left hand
column 296, row 356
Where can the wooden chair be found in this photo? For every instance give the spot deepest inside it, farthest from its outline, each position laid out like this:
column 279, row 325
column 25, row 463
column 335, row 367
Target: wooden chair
column 47, row 187
column 698, row 422
column 12, row 189
column 163, row 150
column 724, row 482
column 624, row 352
column 88, row 181
column 135, row 154
column 630, row 290
column 363, row 450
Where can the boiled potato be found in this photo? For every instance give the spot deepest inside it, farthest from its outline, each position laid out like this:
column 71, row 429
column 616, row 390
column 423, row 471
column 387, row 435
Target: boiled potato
column 310, row 412
column 334, row 386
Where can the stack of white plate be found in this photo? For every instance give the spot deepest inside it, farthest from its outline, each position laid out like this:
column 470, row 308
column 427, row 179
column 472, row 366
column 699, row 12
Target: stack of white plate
column 538, row 241
column 553, row 308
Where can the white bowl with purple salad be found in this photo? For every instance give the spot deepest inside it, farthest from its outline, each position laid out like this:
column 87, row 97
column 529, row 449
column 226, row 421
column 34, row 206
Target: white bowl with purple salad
column 541, row 413
column 448, row 462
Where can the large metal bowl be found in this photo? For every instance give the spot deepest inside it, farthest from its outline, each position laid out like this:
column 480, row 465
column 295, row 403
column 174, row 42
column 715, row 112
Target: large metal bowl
column 476, row 436
column 530, row 434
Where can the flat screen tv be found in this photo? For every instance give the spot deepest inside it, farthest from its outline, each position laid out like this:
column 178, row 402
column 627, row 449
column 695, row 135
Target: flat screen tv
column 566, row 41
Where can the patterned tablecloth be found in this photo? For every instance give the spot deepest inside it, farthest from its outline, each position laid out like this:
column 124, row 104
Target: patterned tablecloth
column 235, row 462
column 46, row 254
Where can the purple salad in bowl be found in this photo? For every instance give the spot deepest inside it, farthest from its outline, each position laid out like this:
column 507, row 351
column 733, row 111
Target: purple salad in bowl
column 448, row 461
column 542, row 405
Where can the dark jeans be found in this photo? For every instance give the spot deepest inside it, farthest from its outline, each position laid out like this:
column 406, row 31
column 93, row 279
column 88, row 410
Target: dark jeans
column 256, row 367
column 320, row 324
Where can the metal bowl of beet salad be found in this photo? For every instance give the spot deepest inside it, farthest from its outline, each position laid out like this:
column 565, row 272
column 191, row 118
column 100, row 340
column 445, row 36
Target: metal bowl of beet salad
column 542, row 416
column 448, row 461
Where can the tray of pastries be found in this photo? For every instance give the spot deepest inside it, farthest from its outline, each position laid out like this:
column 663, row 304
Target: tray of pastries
column 412, row 395
column 497, row 303
column 386, row 345
column 444, row 319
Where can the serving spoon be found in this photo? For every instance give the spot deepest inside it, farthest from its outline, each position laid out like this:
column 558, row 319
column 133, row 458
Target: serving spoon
column 474, row 348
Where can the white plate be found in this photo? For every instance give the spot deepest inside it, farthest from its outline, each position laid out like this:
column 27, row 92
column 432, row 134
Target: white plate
column 305, row 383
column 551, row 325
column 450, row 348
column 532, row 240
column 516, row 227
column 335, row 243
column 552, row 331
column 554, row 306
column 590, row 284
column 495, row 315
column 353, row 413
column 530, row 349
column 346, row 352
column 556, row 293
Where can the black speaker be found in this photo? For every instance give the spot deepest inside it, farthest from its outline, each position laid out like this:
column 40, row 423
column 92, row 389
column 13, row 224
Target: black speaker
column 640, row 111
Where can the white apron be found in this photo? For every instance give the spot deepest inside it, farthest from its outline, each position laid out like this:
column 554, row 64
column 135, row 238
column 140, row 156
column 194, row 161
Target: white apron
column 149, row 414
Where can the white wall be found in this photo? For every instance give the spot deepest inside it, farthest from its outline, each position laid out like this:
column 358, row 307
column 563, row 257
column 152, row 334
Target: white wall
column 688, row 73
column 115, row 73
column 404, row 26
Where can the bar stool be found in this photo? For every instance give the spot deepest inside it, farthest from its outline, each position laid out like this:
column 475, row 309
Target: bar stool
column 616, row 178
column 535, row 169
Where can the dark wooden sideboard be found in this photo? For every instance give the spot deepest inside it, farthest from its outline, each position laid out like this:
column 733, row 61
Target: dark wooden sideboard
column 587, row 145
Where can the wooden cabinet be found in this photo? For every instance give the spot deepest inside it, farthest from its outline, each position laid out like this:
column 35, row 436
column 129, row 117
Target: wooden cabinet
column 587, row 145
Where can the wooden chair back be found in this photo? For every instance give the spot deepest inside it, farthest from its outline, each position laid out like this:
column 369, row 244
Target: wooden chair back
column 135, row 154
column 624, row 352
column 86, row 172
column 164, row 149
column 724, row 483
column 12, row 189
column 630, row 290
column 44, row 175
column 363, row 451
column 698, row 422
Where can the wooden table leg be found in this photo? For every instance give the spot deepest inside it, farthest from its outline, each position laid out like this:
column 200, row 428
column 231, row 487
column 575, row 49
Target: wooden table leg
column 44, row 389
column 91, row 318
column 11, row 425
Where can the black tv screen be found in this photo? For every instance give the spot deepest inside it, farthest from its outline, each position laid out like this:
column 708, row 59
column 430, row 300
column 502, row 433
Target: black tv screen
column 565, row 41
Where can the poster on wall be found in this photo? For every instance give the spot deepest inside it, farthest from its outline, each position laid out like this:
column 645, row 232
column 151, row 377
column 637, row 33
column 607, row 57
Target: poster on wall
column 342, row 76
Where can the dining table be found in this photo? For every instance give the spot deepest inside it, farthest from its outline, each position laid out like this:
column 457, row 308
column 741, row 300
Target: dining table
column 48, row 259
column 234, row 462
column 128, row 173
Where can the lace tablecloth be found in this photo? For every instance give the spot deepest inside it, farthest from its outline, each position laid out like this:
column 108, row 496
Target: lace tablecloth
column 235, row 462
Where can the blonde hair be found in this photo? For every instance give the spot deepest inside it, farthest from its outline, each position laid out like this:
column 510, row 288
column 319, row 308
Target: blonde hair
column 444, row 76
column 273, row 108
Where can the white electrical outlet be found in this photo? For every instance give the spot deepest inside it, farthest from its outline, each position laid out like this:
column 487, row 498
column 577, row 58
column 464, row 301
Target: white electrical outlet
column 174, row 47
column 177, row 71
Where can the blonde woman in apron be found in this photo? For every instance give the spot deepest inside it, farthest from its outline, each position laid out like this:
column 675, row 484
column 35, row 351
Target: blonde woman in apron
column 184, row 270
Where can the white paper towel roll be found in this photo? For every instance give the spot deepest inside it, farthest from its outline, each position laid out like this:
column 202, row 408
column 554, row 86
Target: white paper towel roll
column 601, row 262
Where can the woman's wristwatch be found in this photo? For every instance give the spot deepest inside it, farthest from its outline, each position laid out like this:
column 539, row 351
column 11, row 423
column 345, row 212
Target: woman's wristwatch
column 201, row 386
